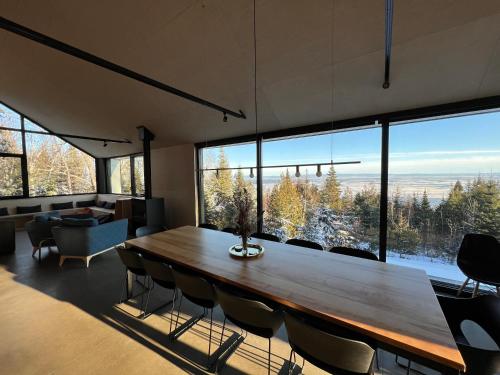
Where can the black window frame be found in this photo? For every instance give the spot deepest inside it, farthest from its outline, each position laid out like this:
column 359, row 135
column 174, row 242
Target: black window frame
column 133, row 189
column 385, row 120
column 24, row 157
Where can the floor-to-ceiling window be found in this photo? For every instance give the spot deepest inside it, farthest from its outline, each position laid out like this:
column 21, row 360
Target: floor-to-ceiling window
column 444, row 182
column 226, row 172
column 37, row 163
column 126, row 175
column 333, row 205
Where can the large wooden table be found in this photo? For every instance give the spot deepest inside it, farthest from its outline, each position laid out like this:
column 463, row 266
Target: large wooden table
column 394, row 305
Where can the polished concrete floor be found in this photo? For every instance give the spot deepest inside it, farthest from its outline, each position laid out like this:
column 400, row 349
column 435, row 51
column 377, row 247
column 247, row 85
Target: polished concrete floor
column 68, row 321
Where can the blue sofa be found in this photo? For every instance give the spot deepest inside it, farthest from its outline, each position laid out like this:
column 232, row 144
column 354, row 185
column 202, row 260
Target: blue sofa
column 85, row 242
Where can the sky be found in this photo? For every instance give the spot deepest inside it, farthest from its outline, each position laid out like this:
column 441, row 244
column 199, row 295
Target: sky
column 455, row 145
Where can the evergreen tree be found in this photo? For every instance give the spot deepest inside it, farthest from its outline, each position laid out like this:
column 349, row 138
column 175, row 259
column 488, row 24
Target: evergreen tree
column 330, row 192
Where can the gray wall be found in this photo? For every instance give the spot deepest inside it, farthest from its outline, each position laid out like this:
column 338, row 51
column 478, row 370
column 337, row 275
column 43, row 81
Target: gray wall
column 173, row 178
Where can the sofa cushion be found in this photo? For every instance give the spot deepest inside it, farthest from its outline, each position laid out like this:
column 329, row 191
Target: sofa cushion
column 47, row 216
column 90, row 203
column 4, row 211
column 110, row 205
column 78, row 216
column 70, row 222
column 62, row 206
column 28, row 209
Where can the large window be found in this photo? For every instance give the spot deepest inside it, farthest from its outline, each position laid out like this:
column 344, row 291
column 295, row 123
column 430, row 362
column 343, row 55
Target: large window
column 442, row 177
column 444, row 182
column 333, row 205
column 35, row 163
column 126, row 175
column 226, row 172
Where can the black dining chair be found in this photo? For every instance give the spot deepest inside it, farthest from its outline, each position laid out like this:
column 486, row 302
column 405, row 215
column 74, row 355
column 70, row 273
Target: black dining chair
column 329, row 352
column 304, row 243
column 479, row 259
column 265, row 236
column 250, row 315
column 148, row 230
column 475, row 325
column 132, row 260
column 199, row 291
column 229, row 230
column 208, row 226
column 161, row 274
column 358, row 253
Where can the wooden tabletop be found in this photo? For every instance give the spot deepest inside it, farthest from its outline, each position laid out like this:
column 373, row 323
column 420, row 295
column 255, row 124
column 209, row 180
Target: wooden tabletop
column 392, row 304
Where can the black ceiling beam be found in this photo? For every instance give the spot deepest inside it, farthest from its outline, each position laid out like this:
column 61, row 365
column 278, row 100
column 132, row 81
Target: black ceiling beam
column 389, row 8
column 93, row 59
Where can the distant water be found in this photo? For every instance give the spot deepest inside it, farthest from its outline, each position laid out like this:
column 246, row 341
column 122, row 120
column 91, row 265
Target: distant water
column 436, row 185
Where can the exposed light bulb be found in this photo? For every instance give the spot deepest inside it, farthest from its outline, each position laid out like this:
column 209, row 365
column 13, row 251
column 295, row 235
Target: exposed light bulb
column 251, row 173
column 297, row 171
column 225, row 117
column 318, row 172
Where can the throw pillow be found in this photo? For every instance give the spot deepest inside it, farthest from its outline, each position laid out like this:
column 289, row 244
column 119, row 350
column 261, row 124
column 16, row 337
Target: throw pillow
column 85, row 203
column 4, row 211
column 101, row 204
column 110, row 205
column 62, row 206
column 69, row 222
column 28, row 209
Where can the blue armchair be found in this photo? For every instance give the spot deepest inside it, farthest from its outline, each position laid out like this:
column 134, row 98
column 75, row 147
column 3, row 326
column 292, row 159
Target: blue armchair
column 40, row 231
column 86, row 242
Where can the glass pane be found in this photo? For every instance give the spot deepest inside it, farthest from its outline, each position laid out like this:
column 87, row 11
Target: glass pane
column 29, row 125
column 337, row 207
column 444, row 182
column 55, row 167
column 119, row 174
column 9, row 118
column 11, row 141
column 221, row 189
column 11, row 181
column 139, row 175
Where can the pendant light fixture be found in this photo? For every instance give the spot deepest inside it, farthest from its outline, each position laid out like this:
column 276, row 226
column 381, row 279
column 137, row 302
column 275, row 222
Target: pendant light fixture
column 251, row 173
column 318, row 171
column 297, row 171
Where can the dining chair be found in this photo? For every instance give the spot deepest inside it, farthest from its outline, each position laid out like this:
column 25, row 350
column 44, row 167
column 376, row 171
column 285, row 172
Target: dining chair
column 479, row 259
column 329, row 352
column 304, row 243
column 199, row 291
column 265, row 236
column 250, row 315
column 358, row 253
column 229, row 230
column 148, row 230
column 132, row 260
column 475, row 325
column 161, row 274
column 208, row 226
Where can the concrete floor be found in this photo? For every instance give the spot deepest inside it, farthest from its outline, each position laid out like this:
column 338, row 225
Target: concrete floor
column 68, row 321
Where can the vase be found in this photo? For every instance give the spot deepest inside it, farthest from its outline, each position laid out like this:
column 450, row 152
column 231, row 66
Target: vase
column 244, row 245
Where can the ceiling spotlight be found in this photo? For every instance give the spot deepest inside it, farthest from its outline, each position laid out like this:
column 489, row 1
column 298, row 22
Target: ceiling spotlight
column 105, row 144
column 318, row 171
column 225, row 117
column 217, row 173
column 251, row 173
column 297, row 171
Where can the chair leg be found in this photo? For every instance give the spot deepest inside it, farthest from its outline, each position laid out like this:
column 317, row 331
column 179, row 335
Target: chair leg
column 147, row 300
column 408, row 368
column 172, row 310
column 290, row 363
column 460, row 290
column 476, row 289
column 210, row 335
column 269, row 358
column 125, row 287
column 498, row 291
column 178, row 312
column 223, row 328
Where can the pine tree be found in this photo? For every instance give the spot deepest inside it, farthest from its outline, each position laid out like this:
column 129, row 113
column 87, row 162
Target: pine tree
column 330, row 192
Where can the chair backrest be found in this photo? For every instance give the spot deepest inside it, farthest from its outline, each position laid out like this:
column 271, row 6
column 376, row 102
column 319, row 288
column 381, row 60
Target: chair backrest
column 208, row 226
column 304, row 243
column 251, row 315
column 479, row 248
column 195, row 288
column 130, row 259
column 147, row 230
column 229, row 230
column 159, row 272
column 329, row 352
column 353, row 252
column 266, row 236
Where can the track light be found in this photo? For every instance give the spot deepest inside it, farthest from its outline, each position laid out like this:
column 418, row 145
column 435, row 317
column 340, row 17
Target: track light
column 251, row 173
column 318, row 171
column 217, row 173
column 225, row 117
column 105, row 144
column 297, row 171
